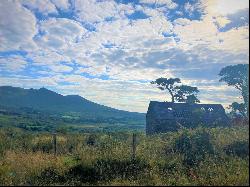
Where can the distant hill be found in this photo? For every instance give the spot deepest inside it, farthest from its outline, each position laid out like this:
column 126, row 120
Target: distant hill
column 47, row 101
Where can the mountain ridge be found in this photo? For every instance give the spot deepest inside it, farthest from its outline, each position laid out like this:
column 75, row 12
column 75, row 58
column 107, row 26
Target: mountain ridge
column 46, row 100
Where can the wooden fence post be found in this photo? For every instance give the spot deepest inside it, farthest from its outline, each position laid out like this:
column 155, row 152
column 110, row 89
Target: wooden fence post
column 134, row 146
column 54, row 143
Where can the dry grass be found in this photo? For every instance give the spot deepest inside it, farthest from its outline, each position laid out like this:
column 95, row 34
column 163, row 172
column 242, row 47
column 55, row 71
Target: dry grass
column 157, row 163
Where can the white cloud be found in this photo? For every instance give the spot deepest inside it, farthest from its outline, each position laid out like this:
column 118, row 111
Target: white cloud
column 130, row 35
column 59, row 33
column 193, row 33
column 92, row 11
column 205, row 32
column 93, row 70
column 169, row 3
column 13, row 64
column 222, row 21
column 60, row 68
column 17, row 27
column 46, row 58
column 224, row 7
column 61, row 4
column 138, row 74
column 45, row 6
column 27, row 82
column 220, row 10
column 235, row 40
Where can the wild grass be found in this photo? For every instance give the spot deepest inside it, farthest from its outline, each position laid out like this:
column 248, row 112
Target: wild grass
column 215, row 156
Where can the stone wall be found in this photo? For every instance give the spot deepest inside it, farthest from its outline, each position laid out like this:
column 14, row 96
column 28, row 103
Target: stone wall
column 167, row 116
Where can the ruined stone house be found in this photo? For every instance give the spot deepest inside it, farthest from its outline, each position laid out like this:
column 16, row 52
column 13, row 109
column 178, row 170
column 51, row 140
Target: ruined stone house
column 168, row 116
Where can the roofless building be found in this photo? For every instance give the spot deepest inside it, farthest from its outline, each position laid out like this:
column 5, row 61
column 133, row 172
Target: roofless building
column 167, row 116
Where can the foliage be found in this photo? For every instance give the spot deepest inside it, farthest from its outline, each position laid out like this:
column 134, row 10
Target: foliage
column 167, row 84
column 43, row 144
column 238, row 148
column 179, row 93
column 187, row 94
column 238, row 76
column 194, row 147
column 48, row 176
column 238, row 108
column 91, row 140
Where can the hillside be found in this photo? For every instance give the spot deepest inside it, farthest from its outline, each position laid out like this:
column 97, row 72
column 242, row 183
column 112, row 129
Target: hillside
column 70, row 108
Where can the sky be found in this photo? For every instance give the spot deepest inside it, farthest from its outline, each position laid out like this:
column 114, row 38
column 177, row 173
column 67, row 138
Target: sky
column 109, row 51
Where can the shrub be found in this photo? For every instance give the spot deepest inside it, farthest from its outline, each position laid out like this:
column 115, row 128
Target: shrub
column 239, row 148
column 82, row 174
column 47, row 177
column 91, row 141
column 105, row 170
column 194, row 147
column 44, row 146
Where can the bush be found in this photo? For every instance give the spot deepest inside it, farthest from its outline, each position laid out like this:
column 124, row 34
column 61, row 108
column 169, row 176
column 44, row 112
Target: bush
column 91, row 141
column 47, row 177
column 239, row 148
column 101, row 170
column 82, row 174
column 45, row 146
column 194, row 147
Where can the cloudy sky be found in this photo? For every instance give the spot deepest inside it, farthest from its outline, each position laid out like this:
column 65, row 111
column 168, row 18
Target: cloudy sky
column 109, row 51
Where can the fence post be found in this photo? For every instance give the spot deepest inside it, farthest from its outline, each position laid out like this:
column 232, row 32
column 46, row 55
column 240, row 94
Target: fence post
column 54, row 143
column 133, row 146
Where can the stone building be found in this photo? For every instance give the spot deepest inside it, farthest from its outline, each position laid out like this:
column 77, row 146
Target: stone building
column 168, row 116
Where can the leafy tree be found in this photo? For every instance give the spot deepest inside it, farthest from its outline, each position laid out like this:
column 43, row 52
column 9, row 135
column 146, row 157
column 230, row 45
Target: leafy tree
column 167, row 84
column 238, row 108
column 238, row 76
column 187, row 94
column 179, row 93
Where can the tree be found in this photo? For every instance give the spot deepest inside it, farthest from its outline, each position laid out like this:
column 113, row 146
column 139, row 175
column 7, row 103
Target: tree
column 238, row 108
column 238, row 76
column 179, row 93
column 167, row 84
column 187, row 94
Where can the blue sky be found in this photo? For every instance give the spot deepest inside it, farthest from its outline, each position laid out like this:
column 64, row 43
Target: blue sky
column 109, row 51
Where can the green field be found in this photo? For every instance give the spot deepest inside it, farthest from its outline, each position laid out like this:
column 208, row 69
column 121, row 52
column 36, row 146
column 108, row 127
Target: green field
column 46, row 123
column 216, row 156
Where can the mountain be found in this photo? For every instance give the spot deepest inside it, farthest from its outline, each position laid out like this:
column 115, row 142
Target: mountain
column 71, row 107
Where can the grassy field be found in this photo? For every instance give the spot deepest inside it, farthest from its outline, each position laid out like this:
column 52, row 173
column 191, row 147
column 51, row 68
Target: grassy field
column 216, row 156
column 46, row 123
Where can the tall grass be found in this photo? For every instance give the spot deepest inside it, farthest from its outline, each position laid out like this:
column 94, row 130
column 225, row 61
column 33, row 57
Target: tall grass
column 216, row 156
